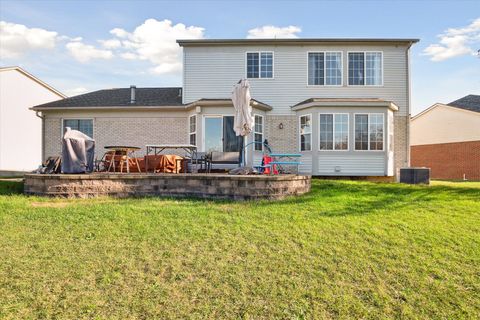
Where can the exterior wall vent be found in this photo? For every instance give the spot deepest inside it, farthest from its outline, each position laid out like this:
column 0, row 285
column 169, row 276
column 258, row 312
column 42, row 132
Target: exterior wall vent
column 132, row 94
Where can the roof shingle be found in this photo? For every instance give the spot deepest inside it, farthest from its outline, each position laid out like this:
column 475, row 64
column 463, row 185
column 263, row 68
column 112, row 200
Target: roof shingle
column 470, row 102
column 155, row 97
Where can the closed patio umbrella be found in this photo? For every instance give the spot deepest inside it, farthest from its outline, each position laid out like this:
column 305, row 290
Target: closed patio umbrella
column 243, row 123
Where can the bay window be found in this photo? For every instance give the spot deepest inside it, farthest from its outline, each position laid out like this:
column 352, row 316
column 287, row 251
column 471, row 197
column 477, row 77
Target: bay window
column 333, row 131
column 369, row 131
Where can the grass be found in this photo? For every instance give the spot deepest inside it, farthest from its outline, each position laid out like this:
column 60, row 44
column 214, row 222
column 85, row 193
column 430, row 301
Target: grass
column 345, row 250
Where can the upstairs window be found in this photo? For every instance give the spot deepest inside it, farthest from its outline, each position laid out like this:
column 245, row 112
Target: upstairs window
column 192, row 128
column 259, row 65
column 369, row 131
column 365, row 68
column 333, row 131
column 83, row 125
column 324, row 68
column 306, row 133
column 258, row 133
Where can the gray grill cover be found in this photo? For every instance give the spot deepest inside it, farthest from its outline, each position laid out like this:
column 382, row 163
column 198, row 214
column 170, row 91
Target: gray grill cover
column 77, row 152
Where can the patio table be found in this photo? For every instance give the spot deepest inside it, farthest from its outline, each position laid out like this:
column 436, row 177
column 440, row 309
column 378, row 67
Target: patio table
column 125, row 151
column 156, row 149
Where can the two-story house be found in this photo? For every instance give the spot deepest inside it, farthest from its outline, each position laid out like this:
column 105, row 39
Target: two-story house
column 344, row 104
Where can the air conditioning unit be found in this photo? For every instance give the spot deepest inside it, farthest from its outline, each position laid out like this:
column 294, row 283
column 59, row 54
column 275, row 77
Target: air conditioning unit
column 415, row 175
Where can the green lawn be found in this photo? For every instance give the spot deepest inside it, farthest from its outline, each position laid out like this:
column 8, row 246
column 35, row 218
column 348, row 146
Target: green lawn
column 345, row 250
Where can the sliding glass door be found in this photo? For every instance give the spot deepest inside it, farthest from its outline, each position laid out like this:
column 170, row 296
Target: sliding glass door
column 220, row 136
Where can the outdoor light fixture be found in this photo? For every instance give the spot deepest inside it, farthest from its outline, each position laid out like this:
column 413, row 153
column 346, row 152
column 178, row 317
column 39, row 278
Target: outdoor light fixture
column 280, row 126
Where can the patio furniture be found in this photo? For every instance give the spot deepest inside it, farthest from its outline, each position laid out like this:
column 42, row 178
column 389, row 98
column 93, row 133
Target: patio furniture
column 121, row 156
column 216, row 157
column 156, row 149
column 199, row 158
column 169, row 163
column 284, row 159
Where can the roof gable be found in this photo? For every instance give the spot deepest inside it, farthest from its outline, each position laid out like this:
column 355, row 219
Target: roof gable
column 32, row 77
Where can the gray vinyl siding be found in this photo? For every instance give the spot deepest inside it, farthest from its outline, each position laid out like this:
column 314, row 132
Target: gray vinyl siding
column 364, row 164
column 211, row 72
column 306, row 164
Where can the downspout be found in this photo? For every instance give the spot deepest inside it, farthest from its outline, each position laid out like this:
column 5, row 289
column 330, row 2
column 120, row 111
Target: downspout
column 37, row 113
column 407, row 120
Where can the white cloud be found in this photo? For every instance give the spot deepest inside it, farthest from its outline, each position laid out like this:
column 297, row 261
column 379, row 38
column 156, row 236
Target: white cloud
column 110, row 43
column 119, row 32
column 155, row 41
column 455, row 42
column 17, row 39
column 274, row 32
column 129, row 56
column 84, row 52
column 75, row 91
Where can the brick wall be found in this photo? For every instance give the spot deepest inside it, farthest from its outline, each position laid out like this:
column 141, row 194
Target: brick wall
column 282, row 140
column 400, row 143
column 53, row 137
column 449, row 160
column 134, row 131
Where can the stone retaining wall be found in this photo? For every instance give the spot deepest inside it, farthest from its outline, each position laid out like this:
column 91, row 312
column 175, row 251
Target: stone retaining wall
column 171, row 185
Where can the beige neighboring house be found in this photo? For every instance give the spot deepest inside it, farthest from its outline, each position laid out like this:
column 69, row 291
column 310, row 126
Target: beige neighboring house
column 343, row 104
column 446, row 138
column 20, row 128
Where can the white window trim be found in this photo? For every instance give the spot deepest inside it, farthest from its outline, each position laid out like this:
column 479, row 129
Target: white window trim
column 364, row 71
column 77, row 118
column 259, row 65
column 325, row 69
column 368, row 130
column 300, row 134
column 348, row 131
column 256, row 132
column 195, row 132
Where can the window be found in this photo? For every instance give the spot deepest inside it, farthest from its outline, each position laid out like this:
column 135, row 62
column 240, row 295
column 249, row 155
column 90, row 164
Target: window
column 365, row 68
column 325, row 68
column 306, row 133
column 259, row 64
column 355, row 68
column 316, row 69
column 369, row 131
column 83, row 125
column 193, row 130
column 258, row 133
column 333, row 131
column 376, row 131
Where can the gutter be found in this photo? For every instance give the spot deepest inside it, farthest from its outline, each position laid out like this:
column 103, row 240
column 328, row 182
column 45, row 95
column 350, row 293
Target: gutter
column 206, row 102
column 43, row 133
column 407, row 118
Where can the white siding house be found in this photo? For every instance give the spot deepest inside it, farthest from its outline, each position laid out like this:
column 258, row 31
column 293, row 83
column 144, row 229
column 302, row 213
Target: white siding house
column 211, row 67
column 20, row 128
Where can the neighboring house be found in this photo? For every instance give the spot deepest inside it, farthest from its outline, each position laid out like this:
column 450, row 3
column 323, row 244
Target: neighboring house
column 446, row 138
column 344, row 104
column 20, row 128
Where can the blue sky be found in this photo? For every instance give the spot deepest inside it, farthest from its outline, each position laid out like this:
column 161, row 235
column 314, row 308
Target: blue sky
column 61, row 41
